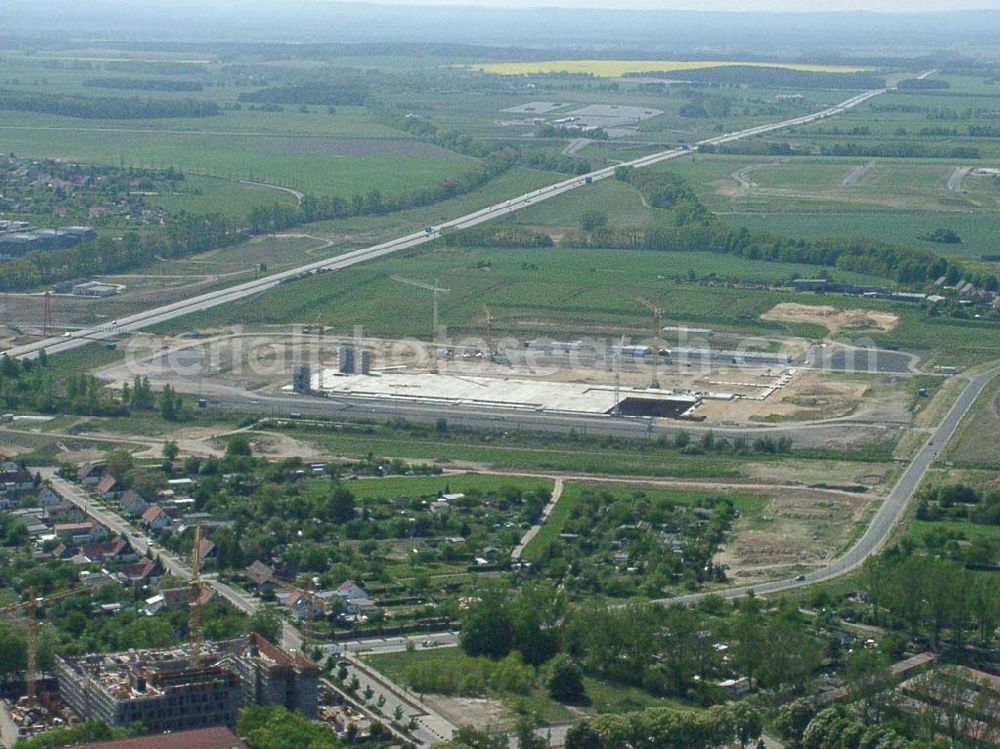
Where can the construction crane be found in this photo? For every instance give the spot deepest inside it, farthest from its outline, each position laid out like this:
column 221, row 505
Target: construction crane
column 435, row 290
column 29, row 608
column 657, row 311
column 194, row 621
column 490, row 352
column 616, row 411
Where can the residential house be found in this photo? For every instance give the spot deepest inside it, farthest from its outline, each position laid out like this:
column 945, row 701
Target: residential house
column 90, row 474
column 81, row 533
column 116, row 551
column 356, row 600
column 261, row 576
column 171, row 599
column 14, row 473
column 440, row 505
column 299, row 604
column 108, row 487
column 156, row 518
column 48, row 498
column 132, row 502
column 139, row 573
column 63, row 512
column 207, row 549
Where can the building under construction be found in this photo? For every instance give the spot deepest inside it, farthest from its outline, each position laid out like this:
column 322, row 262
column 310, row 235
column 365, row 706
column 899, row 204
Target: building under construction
column 172, row 690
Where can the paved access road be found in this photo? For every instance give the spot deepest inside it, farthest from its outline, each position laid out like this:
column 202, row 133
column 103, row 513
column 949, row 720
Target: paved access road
column 148, row 318
column 888, row 515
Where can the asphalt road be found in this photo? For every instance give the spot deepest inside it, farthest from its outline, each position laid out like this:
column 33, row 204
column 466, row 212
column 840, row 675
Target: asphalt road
column 165, row 313
column 510, row 420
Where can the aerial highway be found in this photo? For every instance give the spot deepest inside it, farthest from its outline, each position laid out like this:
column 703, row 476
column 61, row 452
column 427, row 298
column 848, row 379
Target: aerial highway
column 167, row 312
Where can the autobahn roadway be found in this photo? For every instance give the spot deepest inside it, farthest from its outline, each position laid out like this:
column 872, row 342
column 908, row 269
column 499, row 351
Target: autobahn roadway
column 165, row 313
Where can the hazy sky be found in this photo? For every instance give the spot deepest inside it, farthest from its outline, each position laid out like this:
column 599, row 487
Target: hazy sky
column 726, row 5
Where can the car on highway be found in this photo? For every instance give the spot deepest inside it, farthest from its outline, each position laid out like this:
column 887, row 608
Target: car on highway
column 428, row 643
column 800, row 578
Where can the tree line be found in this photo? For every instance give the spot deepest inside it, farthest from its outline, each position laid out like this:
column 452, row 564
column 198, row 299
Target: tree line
column 144, row 84
column 104, row 108
column 350, row 93
column 960, row 502
column 936, row 598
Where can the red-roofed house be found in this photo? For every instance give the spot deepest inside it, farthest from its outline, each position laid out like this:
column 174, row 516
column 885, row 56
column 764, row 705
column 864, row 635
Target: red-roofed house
column 108, row 487
column 218, row 737
column 139, row 573
column 156, row 518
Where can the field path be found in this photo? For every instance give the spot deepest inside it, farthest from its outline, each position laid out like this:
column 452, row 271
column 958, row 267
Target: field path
column 557, row 491
column 854, row 177
column 957, row 176
column 742, row 176
column 298, row 195
column 575, row 146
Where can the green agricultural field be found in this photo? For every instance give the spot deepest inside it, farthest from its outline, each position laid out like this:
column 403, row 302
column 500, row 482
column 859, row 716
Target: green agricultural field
column 331, row 160
column 976, row 230
column 814, row 184
column 571, row 287
column 200, row 194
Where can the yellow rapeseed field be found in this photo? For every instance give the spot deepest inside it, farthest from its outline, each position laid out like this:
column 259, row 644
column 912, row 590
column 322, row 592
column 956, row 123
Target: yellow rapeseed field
column 618, row 68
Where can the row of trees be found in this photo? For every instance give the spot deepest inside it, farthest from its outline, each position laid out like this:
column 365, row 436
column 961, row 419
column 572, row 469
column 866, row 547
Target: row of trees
column 144, row 84
column 669, row 728
column 900, row 150
column 104, row 108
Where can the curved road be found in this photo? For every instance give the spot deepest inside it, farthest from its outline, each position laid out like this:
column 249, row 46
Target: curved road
column 211, row 299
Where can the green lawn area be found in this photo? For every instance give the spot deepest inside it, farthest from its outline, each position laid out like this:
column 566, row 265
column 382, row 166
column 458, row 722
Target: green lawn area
column 604, row 696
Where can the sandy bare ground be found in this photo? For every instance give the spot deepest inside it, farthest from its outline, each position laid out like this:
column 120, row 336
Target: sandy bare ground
column 799, row 529
column 471, row 711
column 833, row 319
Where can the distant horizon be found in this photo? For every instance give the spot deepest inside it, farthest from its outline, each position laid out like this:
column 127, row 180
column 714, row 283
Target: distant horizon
column 902, row 7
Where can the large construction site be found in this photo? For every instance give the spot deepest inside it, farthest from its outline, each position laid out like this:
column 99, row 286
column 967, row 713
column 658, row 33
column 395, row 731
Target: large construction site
column 177, row 688
column 714, row 380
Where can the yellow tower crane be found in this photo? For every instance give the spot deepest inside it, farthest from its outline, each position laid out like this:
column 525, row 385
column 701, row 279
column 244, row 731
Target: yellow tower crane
column 657, row 311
